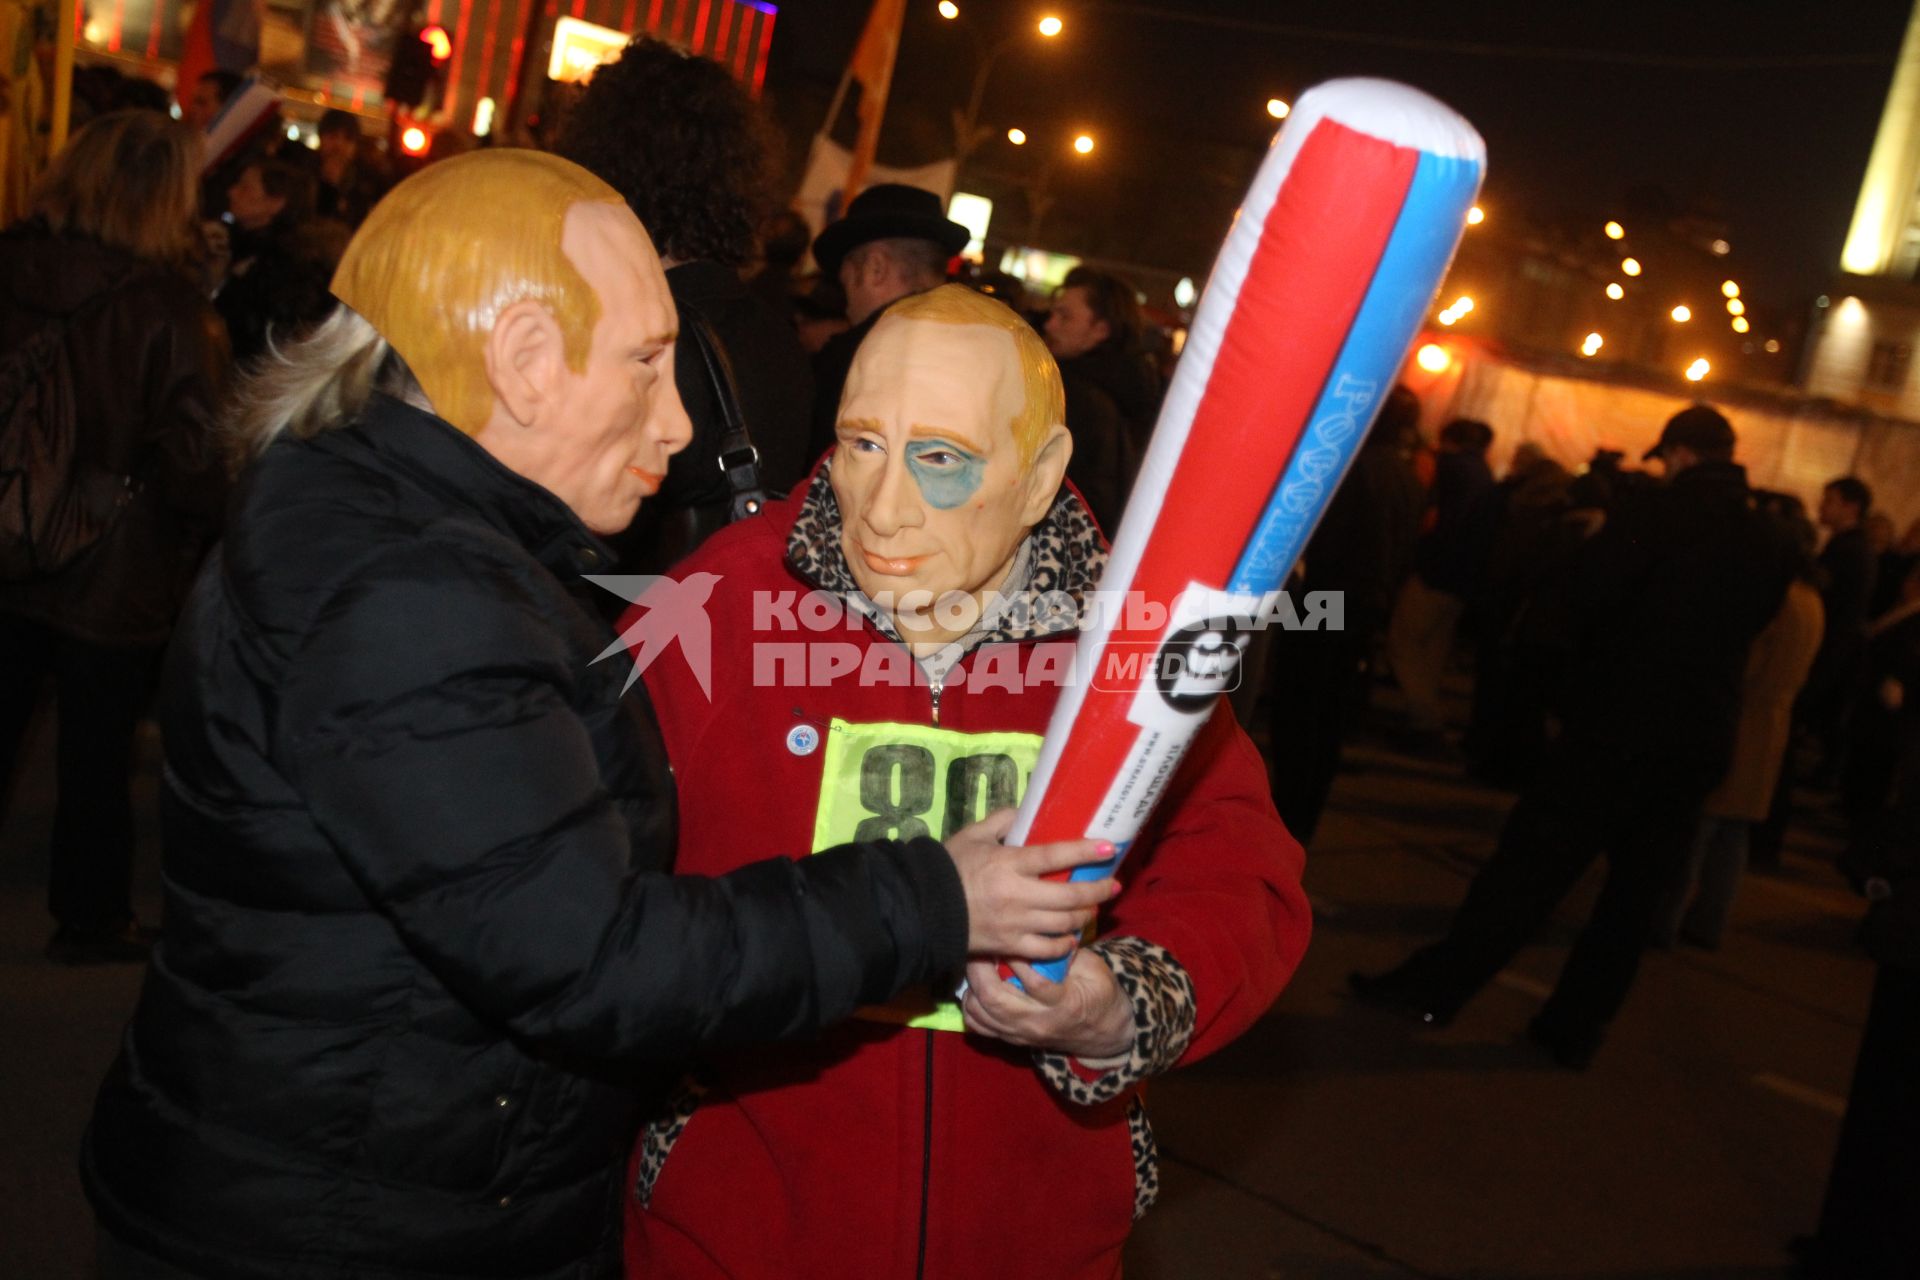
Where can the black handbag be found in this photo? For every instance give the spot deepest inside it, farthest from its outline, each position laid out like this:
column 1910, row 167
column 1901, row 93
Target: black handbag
column 739, row 460
column 666, row 534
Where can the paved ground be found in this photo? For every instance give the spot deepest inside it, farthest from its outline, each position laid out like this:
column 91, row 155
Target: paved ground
column 1333, row 1142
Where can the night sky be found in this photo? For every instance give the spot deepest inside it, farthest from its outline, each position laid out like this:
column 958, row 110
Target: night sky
column 1761, row 114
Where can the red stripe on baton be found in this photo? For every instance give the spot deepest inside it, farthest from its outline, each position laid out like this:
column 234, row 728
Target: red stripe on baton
column 1318, row 251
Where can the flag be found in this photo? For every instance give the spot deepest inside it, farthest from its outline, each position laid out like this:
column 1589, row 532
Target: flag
column 825, row 189
column 223, row 36
column 872, row 68
column 247, row 114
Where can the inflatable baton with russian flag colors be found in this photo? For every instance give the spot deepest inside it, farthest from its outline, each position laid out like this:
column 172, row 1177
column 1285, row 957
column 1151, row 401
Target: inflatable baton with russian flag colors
column 1318, row 292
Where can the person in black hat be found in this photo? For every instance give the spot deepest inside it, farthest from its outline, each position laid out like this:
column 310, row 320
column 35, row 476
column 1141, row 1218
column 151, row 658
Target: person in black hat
column 1653, row 621
column 893, row 240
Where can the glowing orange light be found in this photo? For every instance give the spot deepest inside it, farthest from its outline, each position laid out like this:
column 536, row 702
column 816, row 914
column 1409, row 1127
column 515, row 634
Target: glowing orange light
column 413, row 140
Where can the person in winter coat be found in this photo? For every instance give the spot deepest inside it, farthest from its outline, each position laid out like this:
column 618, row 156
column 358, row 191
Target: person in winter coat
column 101, row 266
column 276, row 284
column 1096, row 331
column 889, row 645
column 1777, row 667
column 1869, row 1223
column 1659, row 610
column 421, row 967
column 1434, row 597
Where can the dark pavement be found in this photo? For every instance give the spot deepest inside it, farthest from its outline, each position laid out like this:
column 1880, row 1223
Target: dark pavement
column 1332, row 1142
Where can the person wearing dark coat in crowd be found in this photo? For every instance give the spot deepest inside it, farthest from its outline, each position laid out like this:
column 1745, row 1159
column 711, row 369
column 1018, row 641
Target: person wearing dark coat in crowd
column 1095, row 330
column 893, row 240
column 276, row 283
column 1661, row 608
column 1896, row 561
column 783, row 245
column 1521, row 532
column 1878, row 721
column 423, row 968
column 1434, row 596
column 1113, row 394
column 1847, row 566
column 105, row 256
column 1317, row 679
column 351, row 177
column 683, row 142
column 1869, row 1224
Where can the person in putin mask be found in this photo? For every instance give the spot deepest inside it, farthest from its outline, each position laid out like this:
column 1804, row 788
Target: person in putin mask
column 909, row 618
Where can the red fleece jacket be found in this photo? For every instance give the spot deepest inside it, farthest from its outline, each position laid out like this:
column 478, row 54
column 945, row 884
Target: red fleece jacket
column 883, row 1150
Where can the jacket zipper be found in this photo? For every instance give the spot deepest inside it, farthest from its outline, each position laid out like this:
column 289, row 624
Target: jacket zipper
column 935, row 685
column 926, row 1153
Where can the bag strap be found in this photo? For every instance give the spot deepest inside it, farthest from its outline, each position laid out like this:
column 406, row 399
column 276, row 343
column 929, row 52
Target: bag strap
column 739, row 460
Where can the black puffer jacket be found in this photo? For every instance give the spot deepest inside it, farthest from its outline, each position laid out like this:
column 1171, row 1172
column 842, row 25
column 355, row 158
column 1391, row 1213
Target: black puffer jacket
column 145, row 365
column 417, row 972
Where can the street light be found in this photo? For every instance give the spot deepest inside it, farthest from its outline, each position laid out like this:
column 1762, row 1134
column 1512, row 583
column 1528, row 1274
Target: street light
column 1630, row 265
column 1433, row 357
column 1698, row 369
column 968, row 134
column 1615, row 292
column 1277, row 108
column 1084, row 144
column 1682, row 313
column 1018, row 137
column 1592, row 345
column 1476, row 215
column 1729, row 288
column 1615, row 231
column 1740, row 324
column 1735, row 307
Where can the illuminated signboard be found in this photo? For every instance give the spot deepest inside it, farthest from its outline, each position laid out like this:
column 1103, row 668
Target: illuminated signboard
column 580, row 47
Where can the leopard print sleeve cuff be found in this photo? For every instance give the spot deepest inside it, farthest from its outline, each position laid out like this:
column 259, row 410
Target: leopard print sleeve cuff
column 1163, row 1012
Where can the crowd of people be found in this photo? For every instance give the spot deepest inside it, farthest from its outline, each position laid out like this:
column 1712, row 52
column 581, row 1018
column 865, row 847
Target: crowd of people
column 406, row 420
column 1663, row 666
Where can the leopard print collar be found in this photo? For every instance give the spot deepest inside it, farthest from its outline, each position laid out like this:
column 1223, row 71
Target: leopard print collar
column 1060, row 562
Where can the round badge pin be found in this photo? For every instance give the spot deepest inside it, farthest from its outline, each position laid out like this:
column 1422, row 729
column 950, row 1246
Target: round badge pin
column 803, row 739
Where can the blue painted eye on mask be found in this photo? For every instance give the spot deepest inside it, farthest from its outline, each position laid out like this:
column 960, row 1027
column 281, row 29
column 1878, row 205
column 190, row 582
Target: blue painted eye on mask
column 947, row 474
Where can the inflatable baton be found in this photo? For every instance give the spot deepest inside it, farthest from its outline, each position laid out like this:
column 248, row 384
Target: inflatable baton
column 1319, row 290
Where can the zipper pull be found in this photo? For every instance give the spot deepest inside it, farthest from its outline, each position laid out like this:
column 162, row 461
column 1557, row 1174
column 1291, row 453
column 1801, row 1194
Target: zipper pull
column 935, row 687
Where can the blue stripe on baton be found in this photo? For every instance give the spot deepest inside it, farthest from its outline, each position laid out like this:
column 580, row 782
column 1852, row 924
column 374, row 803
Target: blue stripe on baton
column 1403, row 284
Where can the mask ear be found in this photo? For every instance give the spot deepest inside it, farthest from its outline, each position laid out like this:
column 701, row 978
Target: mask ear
column 525, row 358
column 1045, row 475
